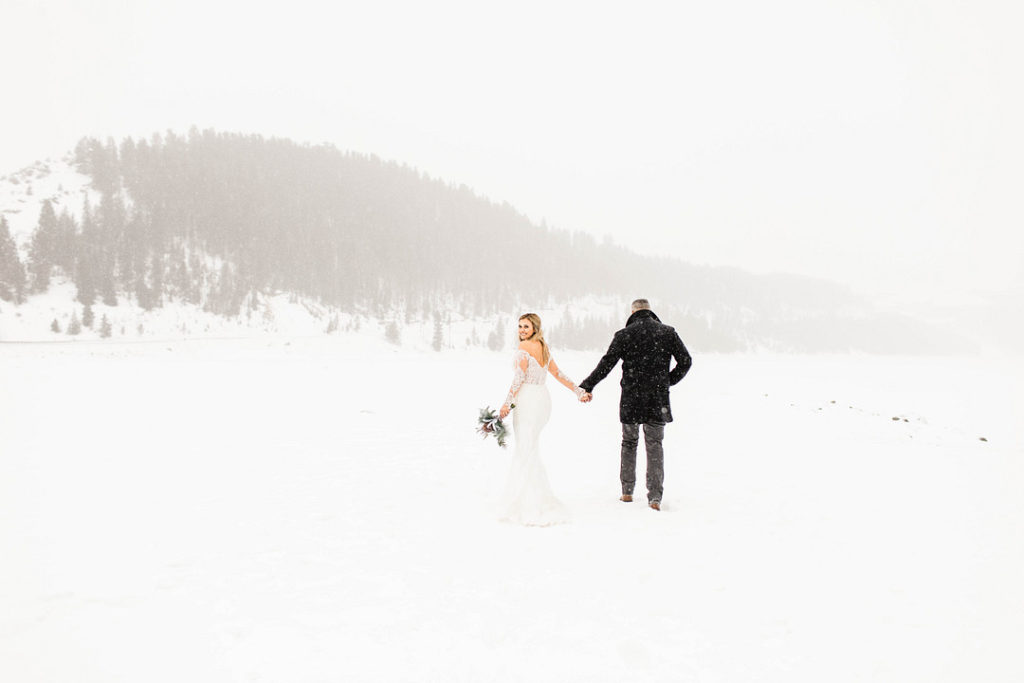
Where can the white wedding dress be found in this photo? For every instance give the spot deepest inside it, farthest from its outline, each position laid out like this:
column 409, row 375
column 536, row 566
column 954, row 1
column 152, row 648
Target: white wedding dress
column 528, row 498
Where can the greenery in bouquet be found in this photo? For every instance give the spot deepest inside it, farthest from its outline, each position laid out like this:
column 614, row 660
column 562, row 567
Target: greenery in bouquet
column 489, row 423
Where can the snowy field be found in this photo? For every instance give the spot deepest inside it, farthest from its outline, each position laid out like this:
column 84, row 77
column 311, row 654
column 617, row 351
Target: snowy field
column 321, row 510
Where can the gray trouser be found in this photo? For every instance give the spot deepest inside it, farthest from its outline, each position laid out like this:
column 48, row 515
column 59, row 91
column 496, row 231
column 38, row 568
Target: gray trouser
column 654, row 432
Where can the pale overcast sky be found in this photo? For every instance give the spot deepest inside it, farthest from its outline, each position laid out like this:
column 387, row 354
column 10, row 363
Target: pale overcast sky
column 878, row 144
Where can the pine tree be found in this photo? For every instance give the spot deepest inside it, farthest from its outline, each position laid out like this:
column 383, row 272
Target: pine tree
column 75, row 326
column 130, row 252
column 438, row 333
column 157, row 274
column 107, row 289
column 392, row 333
column 88, row 316
column 84, row 280
column 82, row 160
column 111, row 219
column 55, row 326
column 41, row 251
column 65, row 246
column 496, row 339
column 86, row 262
column 105, row 327
column 142, row 293
column 12, row 273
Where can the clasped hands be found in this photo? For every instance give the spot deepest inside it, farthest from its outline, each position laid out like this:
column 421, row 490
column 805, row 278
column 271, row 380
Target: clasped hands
column 586, row 397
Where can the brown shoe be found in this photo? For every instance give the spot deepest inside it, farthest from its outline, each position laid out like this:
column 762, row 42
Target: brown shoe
column 655, row 505
column 626, row 498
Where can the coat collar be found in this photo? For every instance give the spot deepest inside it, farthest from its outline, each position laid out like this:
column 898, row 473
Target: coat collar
column 641, row 315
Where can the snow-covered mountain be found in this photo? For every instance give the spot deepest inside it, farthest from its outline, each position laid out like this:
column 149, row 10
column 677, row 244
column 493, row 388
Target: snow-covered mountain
column 216, row 234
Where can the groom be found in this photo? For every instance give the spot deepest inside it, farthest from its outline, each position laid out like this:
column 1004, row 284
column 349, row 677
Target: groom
column 645, row 346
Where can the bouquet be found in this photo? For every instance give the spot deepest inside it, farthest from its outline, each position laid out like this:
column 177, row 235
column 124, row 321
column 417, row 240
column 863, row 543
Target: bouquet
column 490, row 423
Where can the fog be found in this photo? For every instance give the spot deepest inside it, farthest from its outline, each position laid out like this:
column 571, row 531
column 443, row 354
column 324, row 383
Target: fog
column 873, row 144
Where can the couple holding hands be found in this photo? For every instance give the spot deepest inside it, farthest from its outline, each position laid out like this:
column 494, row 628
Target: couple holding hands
column 646, row 347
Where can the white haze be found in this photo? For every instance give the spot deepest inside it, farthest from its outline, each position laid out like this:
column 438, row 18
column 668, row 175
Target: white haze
column 876, row 144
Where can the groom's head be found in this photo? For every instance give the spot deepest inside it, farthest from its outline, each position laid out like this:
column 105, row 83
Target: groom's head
column 641, row 305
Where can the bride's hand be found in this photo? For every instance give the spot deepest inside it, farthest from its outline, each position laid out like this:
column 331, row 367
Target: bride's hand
column 505, row 410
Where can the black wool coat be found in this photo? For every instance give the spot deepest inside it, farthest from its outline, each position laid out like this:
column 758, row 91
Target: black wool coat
column 646, row 347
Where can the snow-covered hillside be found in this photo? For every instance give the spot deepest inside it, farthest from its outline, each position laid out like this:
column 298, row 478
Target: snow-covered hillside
column 226, row 221
column 23, row 192
column 47, row 316
column 320, row 509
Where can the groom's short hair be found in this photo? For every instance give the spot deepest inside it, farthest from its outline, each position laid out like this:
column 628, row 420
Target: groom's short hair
column 641, row 305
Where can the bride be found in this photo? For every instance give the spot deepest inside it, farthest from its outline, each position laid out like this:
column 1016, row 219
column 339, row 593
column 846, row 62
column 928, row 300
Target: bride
column 528, row 498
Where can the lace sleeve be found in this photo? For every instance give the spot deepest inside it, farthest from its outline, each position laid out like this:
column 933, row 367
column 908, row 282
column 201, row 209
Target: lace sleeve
column 519, row 365
column 564, row 379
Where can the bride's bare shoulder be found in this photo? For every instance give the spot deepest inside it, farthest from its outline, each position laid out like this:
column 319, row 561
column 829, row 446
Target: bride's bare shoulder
column 532, row 347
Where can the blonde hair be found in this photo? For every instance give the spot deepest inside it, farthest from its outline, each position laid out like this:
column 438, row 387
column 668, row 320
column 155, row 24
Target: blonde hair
column 538, row 334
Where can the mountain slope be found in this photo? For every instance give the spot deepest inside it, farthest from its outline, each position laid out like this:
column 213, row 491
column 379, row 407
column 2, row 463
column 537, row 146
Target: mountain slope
column 216, row 221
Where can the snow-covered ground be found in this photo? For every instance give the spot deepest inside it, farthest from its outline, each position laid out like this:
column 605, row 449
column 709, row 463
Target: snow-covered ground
column 33, row 320
column 319, row 509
